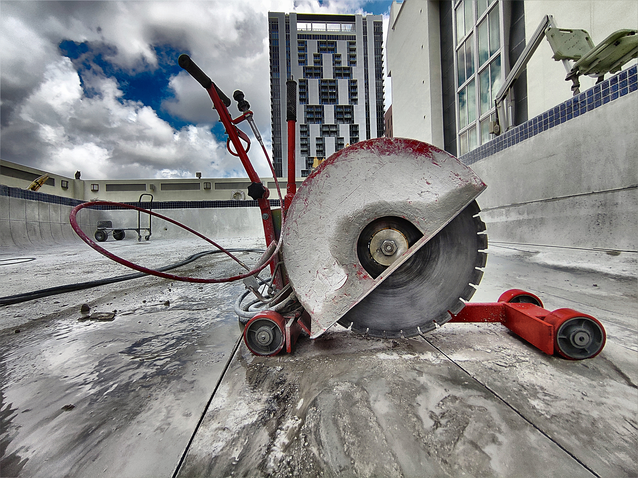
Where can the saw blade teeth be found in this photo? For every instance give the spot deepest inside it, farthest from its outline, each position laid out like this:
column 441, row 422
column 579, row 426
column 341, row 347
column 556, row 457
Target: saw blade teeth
column 478, row 222
column 476, row 277
column 468, row 292
column 456, row 308
column 481, row 240
column 422, row 294
column 481, row 259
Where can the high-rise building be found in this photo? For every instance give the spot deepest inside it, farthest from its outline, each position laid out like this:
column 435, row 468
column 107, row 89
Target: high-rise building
column 337, row 61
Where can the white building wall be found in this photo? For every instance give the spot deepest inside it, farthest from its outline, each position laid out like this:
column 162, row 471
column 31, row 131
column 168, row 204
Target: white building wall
column 414, row 64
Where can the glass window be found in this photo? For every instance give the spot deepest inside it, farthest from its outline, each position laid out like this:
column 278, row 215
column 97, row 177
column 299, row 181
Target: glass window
column 478, row 68
column 469, row 57
column 463, row 108
column 460, row 64
column 485, row 130
column 480, row 7
column 483, row 42
column 469, row 15
column 495, row 76
column 495, row 31
column 460, row 23
column 471, row 102
column 486, row 97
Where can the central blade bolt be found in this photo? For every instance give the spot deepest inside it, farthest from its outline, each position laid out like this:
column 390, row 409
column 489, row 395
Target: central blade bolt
column 388, row 247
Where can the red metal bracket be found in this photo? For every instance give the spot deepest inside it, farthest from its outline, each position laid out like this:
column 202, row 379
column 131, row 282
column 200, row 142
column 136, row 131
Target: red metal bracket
column 571, row 334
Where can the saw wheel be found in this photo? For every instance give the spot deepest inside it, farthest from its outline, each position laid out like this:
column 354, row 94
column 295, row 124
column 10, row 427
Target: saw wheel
column 416, row 297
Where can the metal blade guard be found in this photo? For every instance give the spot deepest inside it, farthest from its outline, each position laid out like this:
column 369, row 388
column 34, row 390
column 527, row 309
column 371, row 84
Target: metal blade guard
column 379, row 181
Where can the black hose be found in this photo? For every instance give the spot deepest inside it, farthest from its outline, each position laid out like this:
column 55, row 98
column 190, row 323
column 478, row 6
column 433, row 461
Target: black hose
column 15, row 299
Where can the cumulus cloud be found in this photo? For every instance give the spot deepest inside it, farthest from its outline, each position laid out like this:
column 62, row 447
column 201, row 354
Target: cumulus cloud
column 60, row 120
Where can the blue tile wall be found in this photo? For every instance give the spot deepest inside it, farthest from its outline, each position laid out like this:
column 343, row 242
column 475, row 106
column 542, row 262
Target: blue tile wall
column 43, row 197
column 610, row 89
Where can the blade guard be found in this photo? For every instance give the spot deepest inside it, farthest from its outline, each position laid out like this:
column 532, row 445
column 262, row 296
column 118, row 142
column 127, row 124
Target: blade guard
column 353, row 187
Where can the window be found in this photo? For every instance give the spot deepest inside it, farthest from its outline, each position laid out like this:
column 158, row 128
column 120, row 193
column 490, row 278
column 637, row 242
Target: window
column 329, row 130
column 336, row 60
column 354, row 133
column 312, row 72
column 303, row 140
column 320, row 148
column 317, row 59
column 327, row 46
column 303, row 92
column 478, row 69
column 342, row 72
column 313, row 114
column 328, row 92
column 352, row 53
column 344, row 114
column 353, row 92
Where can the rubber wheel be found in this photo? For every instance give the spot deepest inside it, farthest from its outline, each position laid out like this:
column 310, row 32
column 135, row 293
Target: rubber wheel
column 100, row 235
column 580, row 338
column 118, row 235
column 264, row 336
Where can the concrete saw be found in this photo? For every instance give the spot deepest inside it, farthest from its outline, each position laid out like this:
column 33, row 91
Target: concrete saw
column 384, row 237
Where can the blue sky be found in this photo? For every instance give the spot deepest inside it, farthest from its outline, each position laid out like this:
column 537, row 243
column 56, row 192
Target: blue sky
column 95, row 86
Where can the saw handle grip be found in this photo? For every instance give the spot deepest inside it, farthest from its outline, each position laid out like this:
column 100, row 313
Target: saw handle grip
column 291, row 97
column 195, row 71
column 242, row 104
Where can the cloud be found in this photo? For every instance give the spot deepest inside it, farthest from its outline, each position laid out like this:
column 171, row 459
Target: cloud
column 62, row 114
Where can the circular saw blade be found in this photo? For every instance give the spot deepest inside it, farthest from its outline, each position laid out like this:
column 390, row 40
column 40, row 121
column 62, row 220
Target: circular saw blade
column 436, row 279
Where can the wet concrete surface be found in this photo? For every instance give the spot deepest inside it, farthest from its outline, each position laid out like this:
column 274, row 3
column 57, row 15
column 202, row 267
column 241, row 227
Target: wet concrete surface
column 124, row 397
column 466, row 400
column 115, row 397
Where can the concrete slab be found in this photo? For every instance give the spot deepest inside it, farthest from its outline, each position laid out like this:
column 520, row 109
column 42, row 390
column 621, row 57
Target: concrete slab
column 466, row 400
column 162, row 391
column 116, row 397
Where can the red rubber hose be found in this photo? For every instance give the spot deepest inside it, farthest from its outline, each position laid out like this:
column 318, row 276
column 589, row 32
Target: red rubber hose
column 124, row 262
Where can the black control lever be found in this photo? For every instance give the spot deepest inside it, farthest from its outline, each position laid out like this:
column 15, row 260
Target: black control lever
column 242, row 104
column 189, row 65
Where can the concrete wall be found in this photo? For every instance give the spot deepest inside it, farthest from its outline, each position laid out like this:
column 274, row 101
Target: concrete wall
column 37, row 220
column 214, row 223
column 414, row 64
column 8, row 172
column 574, row 185
column 129, row 190
column 26, row 223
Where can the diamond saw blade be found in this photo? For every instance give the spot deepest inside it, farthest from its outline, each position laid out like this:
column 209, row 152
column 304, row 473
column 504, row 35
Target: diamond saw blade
column 416, row 297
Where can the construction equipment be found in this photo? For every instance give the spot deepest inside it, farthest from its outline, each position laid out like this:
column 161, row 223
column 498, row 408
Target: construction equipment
column 104, row 228
column 576, row 50
column 384, row 237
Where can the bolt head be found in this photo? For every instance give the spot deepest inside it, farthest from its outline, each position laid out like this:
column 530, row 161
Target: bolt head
column 388, row 247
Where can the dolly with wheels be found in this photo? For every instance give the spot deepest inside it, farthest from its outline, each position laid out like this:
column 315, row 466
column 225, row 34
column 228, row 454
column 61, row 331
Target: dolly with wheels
column 104, row 228
column 566, row 332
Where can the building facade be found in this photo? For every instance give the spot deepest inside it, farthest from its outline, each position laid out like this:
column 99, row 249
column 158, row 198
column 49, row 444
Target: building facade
column 562, row 172
column 448, row 59
column 337, row 62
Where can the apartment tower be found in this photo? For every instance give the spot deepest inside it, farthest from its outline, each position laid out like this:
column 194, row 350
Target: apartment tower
column 337, row 62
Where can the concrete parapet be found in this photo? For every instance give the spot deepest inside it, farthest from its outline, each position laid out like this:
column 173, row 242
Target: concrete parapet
column 574, row 185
